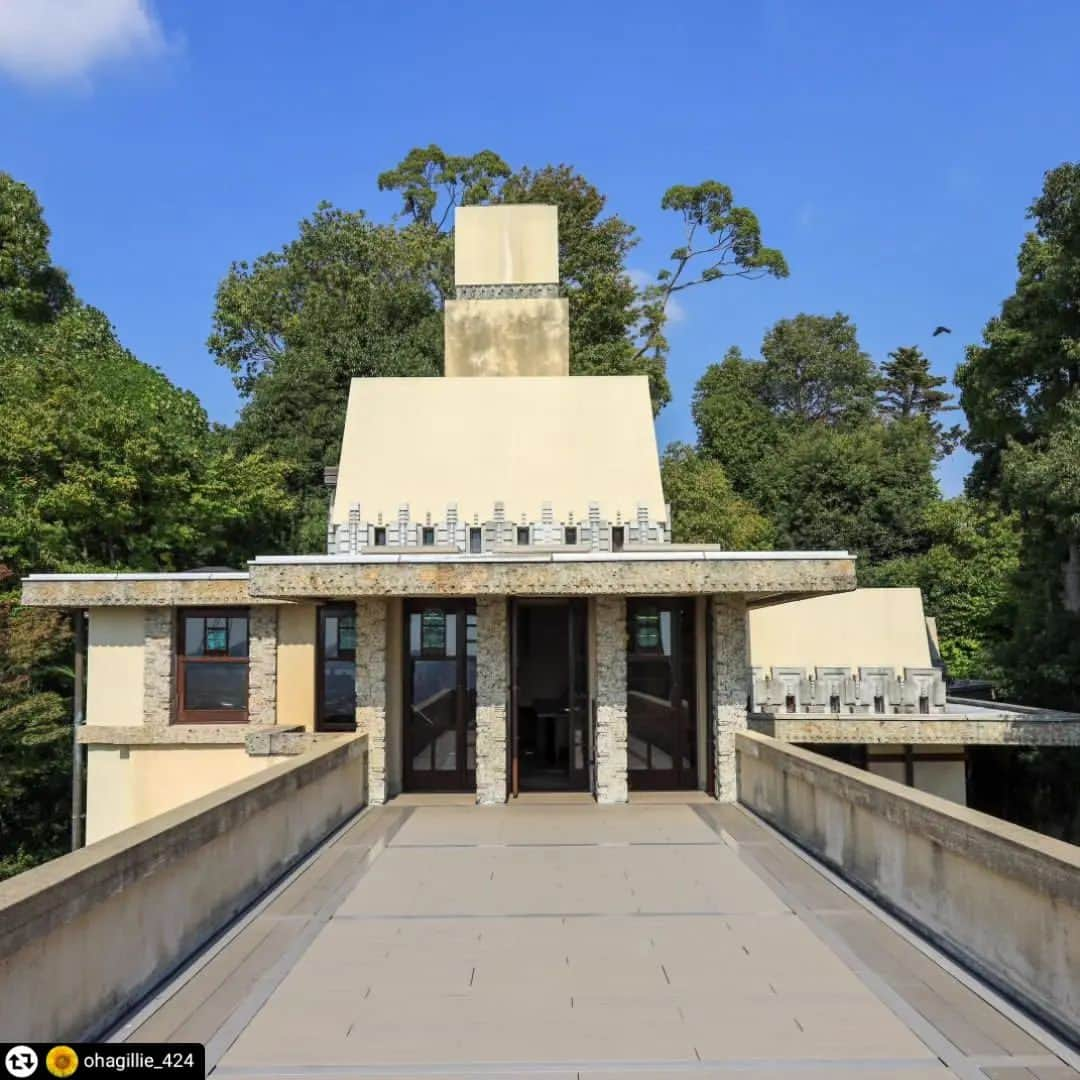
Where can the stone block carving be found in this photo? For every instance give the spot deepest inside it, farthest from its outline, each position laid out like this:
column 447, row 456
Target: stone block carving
column 923, row 691
column 834, row 690
column 878, row 690
column 611, row 725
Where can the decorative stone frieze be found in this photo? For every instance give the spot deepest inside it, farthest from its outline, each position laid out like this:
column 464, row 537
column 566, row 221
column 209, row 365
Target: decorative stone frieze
column 611, row 724
column 262, row 665
column 371, row 690
column 492, row 691
column 507, row 292
column 358, row 535
column 837, row 690
column 159, row 663
column 731, row 687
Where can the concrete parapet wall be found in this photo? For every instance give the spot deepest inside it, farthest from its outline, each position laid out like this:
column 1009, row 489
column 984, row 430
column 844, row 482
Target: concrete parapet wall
column 1002, row 899
column 84, row 936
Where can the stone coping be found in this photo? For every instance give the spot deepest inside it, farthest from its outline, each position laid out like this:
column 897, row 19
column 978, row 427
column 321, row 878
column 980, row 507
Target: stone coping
column 635, row 574
column 670, row 569
column 137, row 590
column 177, row 734
column 942, row 728
column 58, row 891
column 992, row 842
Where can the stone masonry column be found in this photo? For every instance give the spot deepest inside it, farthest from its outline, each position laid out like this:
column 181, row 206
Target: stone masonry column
column 731, row 685
column 262, row 664
column 611, row 761
column 371, row 690
column 492, row 693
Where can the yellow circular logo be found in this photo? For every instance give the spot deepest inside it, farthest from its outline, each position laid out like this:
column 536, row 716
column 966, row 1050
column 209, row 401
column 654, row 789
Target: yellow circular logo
column 61, row 1061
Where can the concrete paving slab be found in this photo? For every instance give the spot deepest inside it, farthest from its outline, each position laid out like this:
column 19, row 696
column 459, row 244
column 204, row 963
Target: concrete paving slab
column 567, row 940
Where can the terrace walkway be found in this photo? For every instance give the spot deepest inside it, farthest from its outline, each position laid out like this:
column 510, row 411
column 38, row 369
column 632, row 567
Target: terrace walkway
column 577, row 941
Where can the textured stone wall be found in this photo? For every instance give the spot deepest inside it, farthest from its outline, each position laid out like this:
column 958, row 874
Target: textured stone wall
column 159, row 659
column 492, row 691
column 731, row 687
column 117, row 590
column 543, row 576
column 611, row 761
column 371, row 690
column 262, row 665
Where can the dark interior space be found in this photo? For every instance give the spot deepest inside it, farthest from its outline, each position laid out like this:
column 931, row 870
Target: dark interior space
column 552, row 697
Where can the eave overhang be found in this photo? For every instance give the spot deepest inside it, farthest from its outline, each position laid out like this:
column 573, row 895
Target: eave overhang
column 763, row 577
column 759, row 575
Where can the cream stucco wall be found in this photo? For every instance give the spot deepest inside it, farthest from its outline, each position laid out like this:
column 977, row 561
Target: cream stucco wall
column 507, row 337
column 297, row 629
column 863, row 628
column 114, row 666
column 506, row 245
column 946, row 779
column 433, row 441
column 127, row 785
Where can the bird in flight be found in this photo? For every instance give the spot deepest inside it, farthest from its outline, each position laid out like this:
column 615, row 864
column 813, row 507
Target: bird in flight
column 941, row 330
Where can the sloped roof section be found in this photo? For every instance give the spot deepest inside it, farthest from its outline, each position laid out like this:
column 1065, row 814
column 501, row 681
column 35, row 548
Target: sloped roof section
column 523, row 441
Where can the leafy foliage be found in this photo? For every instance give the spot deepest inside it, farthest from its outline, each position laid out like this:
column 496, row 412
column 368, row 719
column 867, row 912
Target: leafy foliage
column 705, row 508
column 908, row 389
column 103, row 464
column 1020, row 390
column 967, row 578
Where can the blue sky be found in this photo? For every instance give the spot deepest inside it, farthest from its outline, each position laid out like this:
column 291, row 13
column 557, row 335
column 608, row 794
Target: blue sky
column 889, row 150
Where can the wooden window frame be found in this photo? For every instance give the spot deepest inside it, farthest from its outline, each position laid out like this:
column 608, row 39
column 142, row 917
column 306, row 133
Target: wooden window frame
column 185, row 715
column 324, row 610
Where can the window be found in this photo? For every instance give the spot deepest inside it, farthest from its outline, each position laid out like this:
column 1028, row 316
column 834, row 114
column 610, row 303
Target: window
column 427, row 536
column 571, row 534
column 380, row 536
column 523, row 535
column 337, row 668
column 618, row 538
column 476, row 541
column 212, row 665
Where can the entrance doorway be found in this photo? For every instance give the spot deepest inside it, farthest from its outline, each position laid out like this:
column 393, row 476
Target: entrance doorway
column 660, row 695
column 440, row 696
column 550, row 742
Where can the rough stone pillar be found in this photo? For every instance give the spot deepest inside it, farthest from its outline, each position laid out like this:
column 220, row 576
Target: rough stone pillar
column 731, row 685
column 492, row 693
column 159, row 651
column 371, row 690
column 262, row 664
column 611, row 761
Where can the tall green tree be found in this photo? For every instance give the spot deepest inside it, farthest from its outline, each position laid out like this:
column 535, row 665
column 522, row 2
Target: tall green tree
column 814, row 371
column 346, row 299
column 798, row 435
column 104, row 464
column 909, row 389
column 1020, row 390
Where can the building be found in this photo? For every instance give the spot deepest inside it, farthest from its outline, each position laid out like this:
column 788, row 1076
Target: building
column 501, row 608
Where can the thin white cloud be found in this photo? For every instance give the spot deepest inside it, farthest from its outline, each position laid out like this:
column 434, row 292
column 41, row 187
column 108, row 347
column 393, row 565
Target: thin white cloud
column 46, row 42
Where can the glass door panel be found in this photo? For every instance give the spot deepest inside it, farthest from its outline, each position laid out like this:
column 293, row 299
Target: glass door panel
column 661, row 714
column 440, row 697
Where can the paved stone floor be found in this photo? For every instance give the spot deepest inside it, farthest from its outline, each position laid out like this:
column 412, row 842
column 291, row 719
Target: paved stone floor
column 577, row 941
